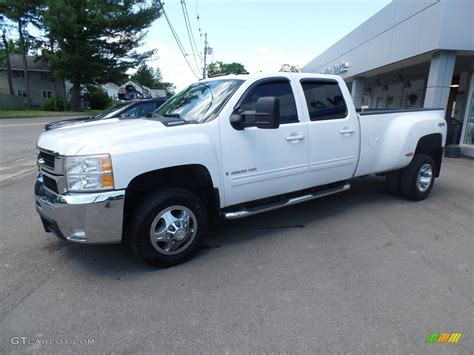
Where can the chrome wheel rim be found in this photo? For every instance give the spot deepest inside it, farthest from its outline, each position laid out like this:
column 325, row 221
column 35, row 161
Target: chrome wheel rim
column 173, row 230
column 425, row 176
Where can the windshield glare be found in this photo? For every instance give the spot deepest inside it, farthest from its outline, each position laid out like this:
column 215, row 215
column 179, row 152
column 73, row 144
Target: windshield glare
column 200, row 101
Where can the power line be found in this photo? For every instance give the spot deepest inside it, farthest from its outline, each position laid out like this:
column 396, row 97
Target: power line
column 198, row 18
column 178, row 41
column 192, row 33
column 189, row 29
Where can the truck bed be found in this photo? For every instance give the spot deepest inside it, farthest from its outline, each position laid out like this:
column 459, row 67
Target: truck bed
column 389, row 137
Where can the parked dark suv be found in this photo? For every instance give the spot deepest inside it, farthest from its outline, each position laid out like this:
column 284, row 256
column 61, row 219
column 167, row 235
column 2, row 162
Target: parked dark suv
column 127, row 109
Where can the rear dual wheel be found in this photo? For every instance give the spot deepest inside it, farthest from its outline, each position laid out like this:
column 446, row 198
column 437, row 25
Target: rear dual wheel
column 415, row 181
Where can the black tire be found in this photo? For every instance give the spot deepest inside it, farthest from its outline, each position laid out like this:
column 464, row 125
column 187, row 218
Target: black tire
column 409, row 178
column 393, row 183
column 151, row 207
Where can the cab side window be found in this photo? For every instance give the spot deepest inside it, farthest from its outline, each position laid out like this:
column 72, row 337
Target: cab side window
column 280, row 89
column 324, row 100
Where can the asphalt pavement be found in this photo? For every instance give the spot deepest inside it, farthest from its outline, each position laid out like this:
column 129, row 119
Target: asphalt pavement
column 18, row 138
column 359, row 272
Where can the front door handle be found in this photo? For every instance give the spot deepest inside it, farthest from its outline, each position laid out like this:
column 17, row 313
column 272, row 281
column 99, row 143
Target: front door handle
column 294, row 137
column 346, row 130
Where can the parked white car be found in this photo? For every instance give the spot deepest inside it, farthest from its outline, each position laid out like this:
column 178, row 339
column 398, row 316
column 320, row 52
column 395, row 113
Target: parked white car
column 227, row 147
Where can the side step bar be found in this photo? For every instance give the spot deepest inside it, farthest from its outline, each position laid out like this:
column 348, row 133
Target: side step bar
column 245, row 212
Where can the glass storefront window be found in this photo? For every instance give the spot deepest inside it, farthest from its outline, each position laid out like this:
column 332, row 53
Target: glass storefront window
column 469, row 128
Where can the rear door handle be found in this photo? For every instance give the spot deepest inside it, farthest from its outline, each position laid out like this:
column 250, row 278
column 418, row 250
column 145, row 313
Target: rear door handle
column 294, row 137
column 346, row 130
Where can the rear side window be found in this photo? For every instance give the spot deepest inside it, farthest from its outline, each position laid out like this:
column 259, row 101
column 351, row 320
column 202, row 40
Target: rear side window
column 324, row 100
column 280, row 89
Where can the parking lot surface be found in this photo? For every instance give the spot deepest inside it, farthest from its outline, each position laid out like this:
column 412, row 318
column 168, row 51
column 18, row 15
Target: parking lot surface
column 360, row 272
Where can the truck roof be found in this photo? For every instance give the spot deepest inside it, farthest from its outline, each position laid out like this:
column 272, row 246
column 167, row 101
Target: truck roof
column 262, row 75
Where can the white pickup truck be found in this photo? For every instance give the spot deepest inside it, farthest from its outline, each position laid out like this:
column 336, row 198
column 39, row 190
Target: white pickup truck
column 226, row 147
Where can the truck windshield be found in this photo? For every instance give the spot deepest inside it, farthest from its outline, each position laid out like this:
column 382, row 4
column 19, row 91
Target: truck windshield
column 200, row 101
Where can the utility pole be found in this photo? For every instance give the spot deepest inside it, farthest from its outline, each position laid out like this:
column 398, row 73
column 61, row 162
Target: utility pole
column 205, row 56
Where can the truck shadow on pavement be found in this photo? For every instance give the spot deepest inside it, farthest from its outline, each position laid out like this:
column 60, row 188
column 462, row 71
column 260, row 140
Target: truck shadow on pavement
column 110, row 260
column 364, row 192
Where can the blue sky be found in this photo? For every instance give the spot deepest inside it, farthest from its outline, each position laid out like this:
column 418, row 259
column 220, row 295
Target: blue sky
column 261, row 34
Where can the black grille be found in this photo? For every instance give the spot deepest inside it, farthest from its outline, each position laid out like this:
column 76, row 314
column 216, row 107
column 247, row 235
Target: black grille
column 50, row 183
column 48, row 159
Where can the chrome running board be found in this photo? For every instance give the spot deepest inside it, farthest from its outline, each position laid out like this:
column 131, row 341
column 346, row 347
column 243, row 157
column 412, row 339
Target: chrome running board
column 245, row 212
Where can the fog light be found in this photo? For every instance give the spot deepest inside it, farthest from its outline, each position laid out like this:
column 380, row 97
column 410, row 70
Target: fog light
column 77, row 235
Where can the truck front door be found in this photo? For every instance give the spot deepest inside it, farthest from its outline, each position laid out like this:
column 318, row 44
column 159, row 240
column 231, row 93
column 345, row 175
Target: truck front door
column 259, row 163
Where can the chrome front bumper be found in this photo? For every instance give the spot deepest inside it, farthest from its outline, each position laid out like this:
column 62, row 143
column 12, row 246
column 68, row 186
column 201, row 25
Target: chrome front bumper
column 81, row 217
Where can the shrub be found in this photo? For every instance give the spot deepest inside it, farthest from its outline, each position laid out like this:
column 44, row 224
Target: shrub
column 53, row 104
column 48, row 104
column 98, row 98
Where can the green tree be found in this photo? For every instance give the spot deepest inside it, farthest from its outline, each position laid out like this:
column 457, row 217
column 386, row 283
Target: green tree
column 23, row 13
column 218, row 68
column 146, row 75
column 168, row 87
column 119, row 78
column 7, row 48
column 163, row 85
column 8, row 45
column 96, row 40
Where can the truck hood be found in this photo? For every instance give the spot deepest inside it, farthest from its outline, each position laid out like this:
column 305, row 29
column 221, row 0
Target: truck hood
column 71, row 140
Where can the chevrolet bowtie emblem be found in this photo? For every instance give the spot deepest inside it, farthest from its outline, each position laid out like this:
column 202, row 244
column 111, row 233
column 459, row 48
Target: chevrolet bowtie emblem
column 41, row 161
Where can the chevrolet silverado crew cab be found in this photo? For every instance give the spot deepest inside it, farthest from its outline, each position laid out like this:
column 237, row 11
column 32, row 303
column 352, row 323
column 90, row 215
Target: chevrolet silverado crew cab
column 226, row 147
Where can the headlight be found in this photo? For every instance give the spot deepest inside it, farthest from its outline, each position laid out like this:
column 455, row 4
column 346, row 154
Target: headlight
column 89, row 173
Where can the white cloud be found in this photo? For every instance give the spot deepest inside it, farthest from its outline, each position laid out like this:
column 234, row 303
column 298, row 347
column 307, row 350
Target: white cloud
column 172, row 65
column 162, row 48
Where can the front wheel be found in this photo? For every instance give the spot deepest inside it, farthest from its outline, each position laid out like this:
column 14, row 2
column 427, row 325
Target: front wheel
column 168, row 227
column 418, row 177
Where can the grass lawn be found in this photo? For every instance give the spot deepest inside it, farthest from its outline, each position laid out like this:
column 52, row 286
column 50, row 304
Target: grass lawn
column 41, row 113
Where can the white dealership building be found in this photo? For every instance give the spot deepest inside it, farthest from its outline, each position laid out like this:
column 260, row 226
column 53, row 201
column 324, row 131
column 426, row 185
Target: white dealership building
column 412, row 54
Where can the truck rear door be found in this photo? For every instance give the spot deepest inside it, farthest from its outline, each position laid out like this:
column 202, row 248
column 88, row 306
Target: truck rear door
column 333, row 131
